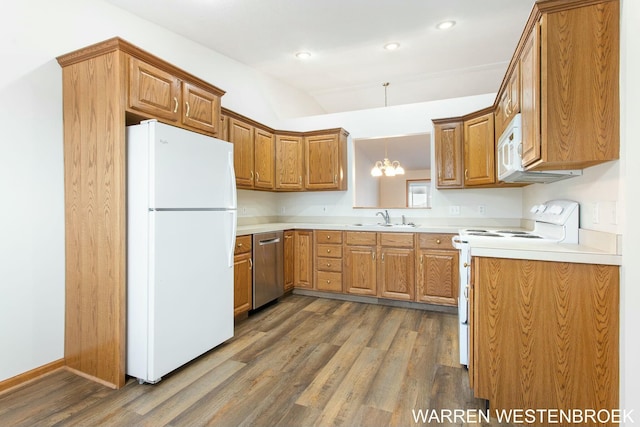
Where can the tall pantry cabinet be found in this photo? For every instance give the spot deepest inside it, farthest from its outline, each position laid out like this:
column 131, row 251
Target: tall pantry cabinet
column 105, row 87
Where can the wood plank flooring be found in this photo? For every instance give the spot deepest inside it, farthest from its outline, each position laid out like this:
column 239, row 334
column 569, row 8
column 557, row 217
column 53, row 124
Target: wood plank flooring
column 304, row 361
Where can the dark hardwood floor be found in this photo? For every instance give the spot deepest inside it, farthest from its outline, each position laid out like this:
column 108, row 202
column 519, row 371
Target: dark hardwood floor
column 301, row 362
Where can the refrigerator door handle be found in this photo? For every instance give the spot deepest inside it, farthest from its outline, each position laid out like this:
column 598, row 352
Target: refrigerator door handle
column 232, row 242
column 232, row 183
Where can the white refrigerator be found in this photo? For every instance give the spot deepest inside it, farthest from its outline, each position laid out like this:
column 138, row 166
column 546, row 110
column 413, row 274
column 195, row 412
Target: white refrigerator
column 181, row 222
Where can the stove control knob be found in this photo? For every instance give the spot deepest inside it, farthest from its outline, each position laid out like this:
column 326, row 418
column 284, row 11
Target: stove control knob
column 534, row 209
column 542, row 208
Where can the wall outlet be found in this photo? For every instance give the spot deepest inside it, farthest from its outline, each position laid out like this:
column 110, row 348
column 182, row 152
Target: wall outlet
column 454, row 210
column 324, row 209
column 283, row 210
column 482, row 209
column 595, row 213
column 243, row 210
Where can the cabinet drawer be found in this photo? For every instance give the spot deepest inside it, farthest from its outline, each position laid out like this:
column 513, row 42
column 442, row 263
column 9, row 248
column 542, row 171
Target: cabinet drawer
column 436, row 241
column 329, row 281
column 329, row 251
column 396, row 240
column 328, row 236
column 243, row 244
column 360, row 238
column 328, row 264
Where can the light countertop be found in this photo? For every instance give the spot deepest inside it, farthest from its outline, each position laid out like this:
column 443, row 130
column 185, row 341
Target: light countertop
column 540, row 251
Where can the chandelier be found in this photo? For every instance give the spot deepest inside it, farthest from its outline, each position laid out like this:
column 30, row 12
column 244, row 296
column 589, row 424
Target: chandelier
column 387, row 167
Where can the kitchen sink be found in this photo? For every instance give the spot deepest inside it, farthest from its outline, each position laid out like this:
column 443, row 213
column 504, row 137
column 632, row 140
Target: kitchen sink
column 410, row 225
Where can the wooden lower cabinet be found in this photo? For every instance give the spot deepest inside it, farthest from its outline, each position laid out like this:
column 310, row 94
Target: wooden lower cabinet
column 396, row 272
column 545, row 334
column 437, row 270
column 328, row 260
column 289, row 260
column 242, row 276
column 360, row 272
column 303, row 259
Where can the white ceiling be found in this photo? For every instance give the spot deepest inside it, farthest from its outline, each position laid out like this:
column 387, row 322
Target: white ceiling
column 346, row 38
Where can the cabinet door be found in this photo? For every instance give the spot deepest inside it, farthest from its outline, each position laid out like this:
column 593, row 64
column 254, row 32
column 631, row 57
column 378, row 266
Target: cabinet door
column 289, row 162
column 530, row 97
column 264, row 153
column 360, row 270
column 201, row 109
column 303, row 267
column 437, row 281
column 448, row 153
column 321, row 162
column 241, row 135
column 396, row 275
column 153, row 91
column 242, row 283
column 289, row 260
column 479, row 151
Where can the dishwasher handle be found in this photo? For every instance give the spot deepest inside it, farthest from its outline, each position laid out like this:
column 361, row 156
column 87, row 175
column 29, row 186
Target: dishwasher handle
column 269, row 241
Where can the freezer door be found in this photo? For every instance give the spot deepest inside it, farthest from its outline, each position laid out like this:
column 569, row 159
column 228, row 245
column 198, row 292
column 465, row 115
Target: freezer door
column 191, row 296
column 189, row 170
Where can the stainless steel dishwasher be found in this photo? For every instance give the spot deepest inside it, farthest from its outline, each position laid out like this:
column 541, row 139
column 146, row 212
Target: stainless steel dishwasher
column 268, row 267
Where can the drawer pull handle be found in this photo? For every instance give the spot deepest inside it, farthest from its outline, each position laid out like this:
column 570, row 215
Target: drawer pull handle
column 250, row 264
column 188, row 109
column 175, row 108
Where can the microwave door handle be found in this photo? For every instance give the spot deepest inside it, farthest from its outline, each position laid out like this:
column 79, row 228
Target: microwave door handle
column 508, row 158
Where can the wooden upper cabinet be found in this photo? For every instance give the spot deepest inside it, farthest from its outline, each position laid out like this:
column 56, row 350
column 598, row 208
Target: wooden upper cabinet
column 156, row 92
column 241, row 136
column 153, row 91
column 448, row 154
column 530, row 97
column 325, row 161
column 201, row 109
column 569, row 61
column 508, row 101
column 479, row 150
column 289, row 162
column 264, row 159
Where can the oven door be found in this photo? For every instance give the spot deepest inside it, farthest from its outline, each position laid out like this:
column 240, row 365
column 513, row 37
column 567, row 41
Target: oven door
column 463, row 300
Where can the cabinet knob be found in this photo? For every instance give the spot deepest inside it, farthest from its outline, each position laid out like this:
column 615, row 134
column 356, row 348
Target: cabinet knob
column 328, row 281
column 239, row 245
column 465, row 265
column 328, row 251
column 328, row 237
column 328, row 264
column 438, row 241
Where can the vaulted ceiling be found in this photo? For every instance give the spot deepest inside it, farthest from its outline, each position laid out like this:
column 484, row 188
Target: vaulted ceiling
column 348, row 63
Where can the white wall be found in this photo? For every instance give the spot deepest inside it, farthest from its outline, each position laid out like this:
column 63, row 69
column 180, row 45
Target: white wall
column 393, row 189
column 630, row 177
column 32, row 34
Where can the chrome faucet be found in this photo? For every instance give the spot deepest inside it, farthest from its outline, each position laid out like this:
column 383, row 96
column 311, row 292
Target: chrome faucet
column 385, row 215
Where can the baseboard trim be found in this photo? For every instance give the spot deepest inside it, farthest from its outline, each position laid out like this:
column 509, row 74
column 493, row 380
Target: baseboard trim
column 31, row 375
column 91, row 377
column 376, row 300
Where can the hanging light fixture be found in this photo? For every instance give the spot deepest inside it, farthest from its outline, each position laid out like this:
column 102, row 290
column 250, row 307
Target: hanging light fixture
column 387, row 167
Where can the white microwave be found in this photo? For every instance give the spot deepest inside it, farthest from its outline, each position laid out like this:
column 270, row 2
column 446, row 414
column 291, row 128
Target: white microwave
column 509, row 159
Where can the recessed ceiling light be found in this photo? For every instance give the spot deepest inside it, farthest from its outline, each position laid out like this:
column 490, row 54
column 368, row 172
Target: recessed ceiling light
column 392, row 46
column 445, row 25
column 303, row 55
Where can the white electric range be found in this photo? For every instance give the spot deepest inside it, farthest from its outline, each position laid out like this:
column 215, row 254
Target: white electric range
column 556, row 221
